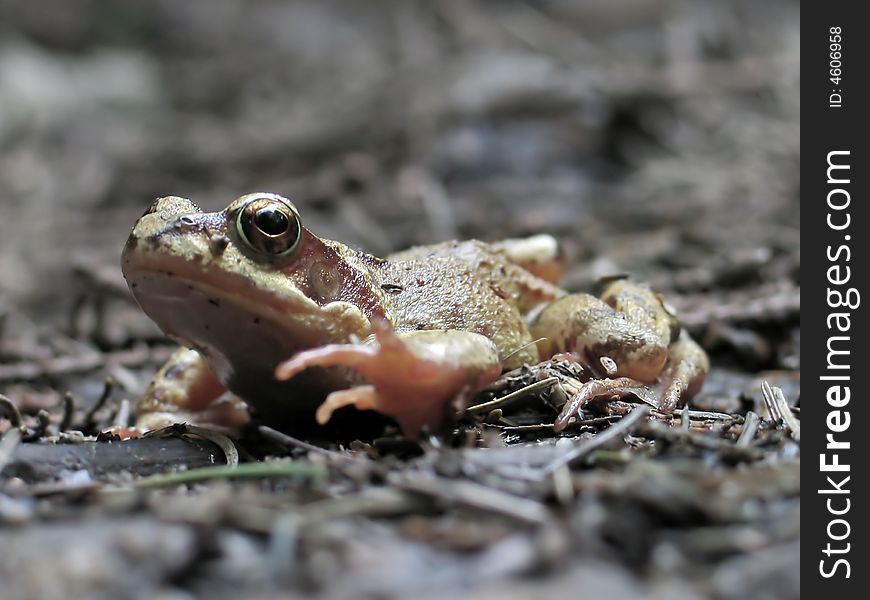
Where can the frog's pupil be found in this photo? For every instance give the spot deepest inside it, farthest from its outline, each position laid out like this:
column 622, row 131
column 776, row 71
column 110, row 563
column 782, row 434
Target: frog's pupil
column 271, row 221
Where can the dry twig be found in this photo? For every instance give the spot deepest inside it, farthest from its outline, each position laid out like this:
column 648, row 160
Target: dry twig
column 513, row 396
column 474, row 495
column 779, row 409
column 750, row 427
column 621, row 428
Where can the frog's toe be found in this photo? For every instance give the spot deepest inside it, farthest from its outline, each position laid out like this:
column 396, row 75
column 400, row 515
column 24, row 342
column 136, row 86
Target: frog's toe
column 685, row 373
column 362, row 397
column 681, row 379
column 595, row 388
column 354, row 356
column 412, row 417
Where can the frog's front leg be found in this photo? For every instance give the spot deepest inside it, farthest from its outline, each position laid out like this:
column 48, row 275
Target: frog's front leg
column 186, row 390
column 629, row 339
column 410, row 376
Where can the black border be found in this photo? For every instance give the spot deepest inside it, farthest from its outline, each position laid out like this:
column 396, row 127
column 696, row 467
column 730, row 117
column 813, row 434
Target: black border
column 827, row 129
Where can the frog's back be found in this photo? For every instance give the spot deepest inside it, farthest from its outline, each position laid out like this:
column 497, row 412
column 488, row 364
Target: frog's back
column 466, row 286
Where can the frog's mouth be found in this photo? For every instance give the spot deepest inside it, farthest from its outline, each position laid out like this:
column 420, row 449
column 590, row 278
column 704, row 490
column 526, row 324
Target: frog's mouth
column 188, row 301
column 243, row 332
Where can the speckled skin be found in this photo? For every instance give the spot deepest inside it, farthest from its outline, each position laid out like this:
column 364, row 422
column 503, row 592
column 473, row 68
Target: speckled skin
column 246, row 309
column 465, row 286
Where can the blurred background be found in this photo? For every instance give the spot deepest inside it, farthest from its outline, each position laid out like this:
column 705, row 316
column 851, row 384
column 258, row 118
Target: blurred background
column 642, row 132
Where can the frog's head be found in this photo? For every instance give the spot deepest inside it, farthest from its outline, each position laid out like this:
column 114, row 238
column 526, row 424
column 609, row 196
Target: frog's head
column 247, row 286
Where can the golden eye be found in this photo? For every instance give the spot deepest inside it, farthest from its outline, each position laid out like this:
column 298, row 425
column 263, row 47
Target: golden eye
column 269, row 226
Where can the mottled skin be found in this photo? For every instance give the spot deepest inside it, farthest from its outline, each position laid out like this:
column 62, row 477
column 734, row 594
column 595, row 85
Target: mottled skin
column 249, row 288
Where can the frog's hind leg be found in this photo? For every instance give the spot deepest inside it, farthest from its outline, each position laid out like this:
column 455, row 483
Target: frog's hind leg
column 632, row 337
column 682, row 377
column 185, row 390
column 589, row 326
column 687, row 365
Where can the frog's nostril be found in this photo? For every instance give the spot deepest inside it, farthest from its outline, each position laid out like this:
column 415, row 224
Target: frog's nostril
column 188, row 221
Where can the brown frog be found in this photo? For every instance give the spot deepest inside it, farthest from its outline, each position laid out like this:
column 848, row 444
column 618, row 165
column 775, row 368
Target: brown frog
column 297, row 325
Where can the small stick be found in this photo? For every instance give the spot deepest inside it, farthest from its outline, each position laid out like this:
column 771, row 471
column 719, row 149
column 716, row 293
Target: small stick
column 8, row 443
column 69, row 407
column 108, row 386
column 673, row 435
column 772, row 407
column 10, row 411
column 231, row 453
column 122, row 417
column 289, row 441
column 706, row 414
column 549, row 426
column 701, row 415
column 345, row 463
column 618, row 429
column 43, row 420
column 778, row 407
column 247, row 470
column 474, row 495
column 750, row 427
column 520, row 393
column 521, row 348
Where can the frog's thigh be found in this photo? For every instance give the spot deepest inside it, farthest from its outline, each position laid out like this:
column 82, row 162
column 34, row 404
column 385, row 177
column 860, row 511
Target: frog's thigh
column 584, row 324
column 184, row 389
column 643, row 306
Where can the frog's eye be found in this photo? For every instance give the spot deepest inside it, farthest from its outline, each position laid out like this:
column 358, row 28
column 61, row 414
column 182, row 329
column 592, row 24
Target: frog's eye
column 269, row 226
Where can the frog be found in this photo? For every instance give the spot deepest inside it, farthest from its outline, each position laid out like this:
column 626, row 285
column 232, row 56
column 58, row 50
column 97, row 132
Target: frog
column 297, row 327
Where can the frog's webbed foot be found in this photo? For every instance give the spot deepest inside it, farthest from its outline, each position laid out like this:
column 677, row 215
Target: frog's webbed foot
column 630, row 329
column 595, row 388
column 682, row 378
column 410, row 376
